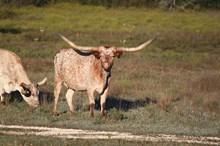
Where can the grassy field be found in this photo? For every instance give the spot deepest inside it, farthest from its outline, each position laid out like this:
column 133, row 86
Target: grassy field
column 42, row 141
column 172, row 87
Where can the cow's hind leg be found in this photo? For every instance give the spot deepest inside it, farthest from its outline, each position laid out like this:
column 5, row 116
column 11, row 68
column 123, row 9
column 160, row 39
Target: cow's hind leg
column 102, row 102
column 69, row 99
column 2, row 97
column 91, row 102
column 58, row 85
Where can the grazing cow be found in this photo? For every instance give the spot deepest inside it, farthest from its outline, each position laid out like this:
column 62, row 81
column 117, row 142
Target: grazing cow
column 86, row 68
column 13, row 77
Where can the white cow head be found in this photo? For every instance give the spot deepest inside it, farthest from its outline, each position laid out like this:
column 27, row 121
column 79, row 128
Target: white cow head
column 30, row 92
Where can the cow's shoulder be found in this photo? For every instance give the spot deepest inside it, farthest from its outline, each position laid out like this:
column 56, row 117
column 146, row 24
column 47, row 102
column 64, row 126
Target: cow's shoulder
column 10, row 56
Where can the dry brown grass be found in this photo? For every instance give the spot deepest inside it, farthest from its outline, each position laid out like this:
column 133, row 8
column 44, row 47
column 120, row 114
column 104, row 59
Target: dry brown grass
column 168, row 82
column 207, row 83
column 38, row 64
column 205, row 91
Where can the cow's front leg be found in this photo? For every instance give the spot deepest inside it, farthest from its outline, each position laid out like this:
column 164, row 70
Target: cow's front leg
column 91, row 102
column 102, row 102
column 58, row 85
column 69, row 99
column 2, row 99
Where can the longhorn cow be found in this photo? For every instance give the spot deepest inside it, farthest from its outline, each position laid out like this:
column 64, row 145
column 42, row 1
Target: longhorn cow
column 13, row 77
column 86, row 69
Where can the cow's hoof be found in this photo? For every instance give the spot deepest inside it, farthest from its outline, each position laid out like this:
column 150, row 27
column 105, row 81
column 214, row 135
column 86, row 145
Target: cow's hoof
column 102, row 115
column 72, row 113
column 55, row 114
column 91, row 115
column 2, row 102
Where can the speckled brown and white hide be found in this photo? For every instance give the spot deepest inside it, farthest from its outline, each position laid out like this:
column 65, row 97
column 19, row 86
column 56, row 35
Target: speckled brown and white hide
column 13, row 77
column 84, row 71
column 89, row 71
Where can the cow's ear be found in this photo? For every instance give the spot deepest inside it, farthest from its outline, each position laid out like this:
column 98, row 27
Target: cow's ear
column 118, row 54
column 96, row 54
column 25, row 90
column 24, row 86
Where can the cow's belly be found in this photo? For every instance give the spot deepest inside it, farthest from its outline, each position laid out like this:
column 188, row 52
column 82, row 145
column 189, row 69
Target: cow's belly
column 75, row 82
column 1, row 85
column 75, row 86
column 6, row 85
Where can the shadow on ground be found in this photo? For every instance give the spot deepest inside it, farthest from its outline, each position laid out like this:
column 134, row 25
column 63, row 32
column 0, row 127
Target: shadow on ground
column 10, row 30
column 123, row 104
column 111, row 101
column 44, row 97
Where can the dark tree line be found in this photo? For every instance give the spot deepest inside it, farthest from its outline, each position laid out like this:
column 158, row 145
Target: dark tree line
column 166, row 4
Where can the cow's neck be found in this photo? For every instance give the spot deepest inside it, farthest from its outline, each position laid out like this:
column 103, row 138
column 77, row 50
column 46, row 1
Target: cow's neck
column 22, row 77
column 107, row 77
column 106, row 74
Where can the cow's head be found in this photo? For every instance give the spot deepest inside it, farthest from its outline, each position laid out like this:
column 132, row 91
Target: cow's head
column 106, row 54
column 30, row 92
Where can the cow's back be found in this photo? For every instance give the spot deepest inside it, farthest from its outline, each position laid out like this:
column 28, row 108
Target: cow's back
column 74, row 68
column 11, row 71
column 10, row 63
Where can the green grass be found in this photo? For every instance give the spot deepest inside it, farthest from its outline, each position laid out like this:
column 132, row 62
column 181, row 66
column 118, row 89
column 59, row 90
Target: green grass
column 85, row 18
column 190, row 30
column 42, row 141
column 172, row 87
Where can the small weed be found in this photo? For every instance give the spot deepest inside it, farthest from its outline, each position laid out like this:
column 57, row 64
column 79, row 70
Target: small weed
column 6, row 13
column 114, row 115
column 211, row 103
column 98, row 120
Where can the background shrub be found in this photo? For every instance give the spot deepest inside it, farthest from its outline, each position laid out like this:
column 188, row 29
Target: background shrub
column 166, row 4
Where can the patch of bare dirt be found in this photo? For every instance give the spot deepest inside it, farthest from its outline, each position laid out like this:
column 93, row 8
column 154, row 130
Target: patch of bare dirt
column 90, row 134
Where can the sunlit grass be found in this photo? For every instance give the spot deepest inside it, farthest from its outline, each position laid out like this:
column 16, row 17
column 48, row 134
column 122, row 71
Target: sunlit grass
column 73, row 17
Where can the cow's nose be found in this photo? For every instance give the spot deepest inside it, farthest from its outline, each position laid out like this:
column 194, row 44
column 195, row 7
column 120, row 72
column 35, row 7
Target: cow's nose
column 37, row 105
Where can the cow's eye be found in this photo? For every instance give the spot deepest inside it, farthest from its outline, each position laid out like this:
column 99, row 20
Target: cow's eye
column 27, row 93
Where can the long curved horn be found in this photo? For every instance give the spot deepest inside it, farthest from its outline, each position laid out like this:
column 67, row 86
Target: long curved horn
column 42, row 82
column 137, row 48
column 80, row 48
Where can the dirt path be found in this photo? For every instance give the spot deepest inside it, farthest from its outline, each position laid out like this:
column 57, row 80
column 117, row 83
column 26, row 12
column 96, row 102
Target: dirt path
column 89, row 134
